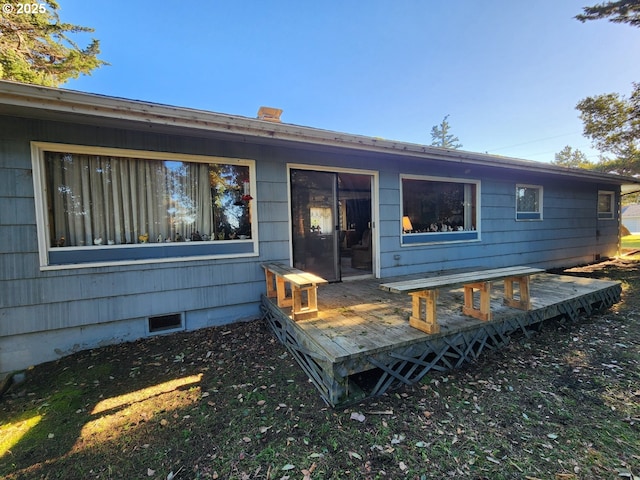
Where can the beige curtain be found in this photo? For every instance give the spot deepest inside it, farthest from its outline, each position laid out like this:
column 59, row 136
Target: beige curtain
column 111, row 200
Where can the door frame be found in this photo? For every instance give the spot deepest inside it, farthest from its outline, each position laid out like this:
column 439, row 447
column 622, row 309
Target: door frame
column 375, row 210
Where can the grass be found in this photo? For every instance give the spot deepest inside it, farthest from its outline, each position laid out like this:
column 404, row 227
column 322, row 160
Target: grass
column 631, row 242
column 231, row 403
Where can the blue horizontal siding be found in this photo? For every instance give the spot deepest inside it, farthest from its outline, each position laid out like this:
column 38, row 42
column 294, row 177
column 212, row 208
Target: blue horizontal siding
column 35, row 300
column 16, row 237
column 214, row 291
column 16, row 182
column 52, row 288
column 13, row 148
column 55, row 316
column 569, row 219
column 17, row 211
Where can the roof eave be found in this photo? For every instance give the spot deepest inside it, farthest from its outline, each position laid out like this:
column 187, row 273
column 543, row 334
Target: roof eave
column 87, row 104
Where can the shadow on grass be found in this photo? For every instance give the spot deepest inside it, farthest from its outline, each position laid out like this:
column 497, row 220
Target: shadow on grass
column 69, row 413
column 118, row 409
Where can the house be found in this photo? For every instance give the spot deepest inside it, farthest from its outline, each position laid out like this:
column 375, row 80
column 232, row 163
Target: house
column 631, row 218
column 121, row 219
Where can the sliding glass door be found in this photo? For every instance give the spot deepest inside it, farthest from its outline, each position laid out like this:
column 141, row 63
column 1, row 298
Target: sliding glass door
column 314, row 223
column 331, row 215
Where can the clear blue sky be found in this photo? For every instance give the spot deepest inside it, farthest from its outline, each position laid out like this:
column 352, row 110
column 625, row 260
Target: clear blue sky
column 508, row 73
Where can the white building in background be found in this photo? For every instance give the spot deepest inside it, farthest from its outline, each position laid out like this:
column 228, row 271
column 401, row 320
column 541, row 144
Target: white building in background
column 631, row 217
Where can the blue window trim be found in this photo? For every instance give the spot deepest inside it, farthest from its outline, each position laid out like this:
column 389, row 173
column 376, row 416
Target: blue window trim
column 112, row 253
column 437, row 237
column 528, row 216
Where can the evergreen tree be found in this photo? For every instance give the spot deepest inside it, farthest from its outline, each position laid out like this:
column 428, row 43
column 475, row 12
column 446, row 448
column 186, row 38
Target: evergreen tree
column 35, row 47
column 568, row 157
column 440, row 136
column 612, row 121
column 622, row 11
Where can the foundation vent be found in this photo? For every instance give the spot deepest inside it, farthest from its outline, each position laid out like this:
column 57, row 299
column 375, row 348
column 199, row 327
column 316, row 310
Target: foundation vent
column 166, row 323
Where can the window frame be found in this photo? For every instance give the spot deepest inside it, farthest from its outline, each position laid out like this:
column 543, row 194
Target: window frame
column 440, row 238
column 533, row 216
column 607, row 215
column 164, row 252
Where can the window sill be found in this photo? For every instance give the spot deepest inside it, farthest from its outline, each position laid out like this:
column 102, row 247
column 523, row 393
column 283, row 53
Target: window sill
column 528, row 217
column 411, row 239
column 79, row 257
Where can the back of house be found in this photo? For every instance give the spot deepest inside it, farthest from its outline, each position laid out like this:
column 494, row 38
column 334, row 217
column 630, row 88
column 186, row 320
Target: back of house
column 121, row 219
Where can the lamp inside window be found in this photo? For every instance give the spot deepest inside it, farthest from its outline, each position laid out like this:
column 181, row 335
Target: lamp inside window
column 407, row 227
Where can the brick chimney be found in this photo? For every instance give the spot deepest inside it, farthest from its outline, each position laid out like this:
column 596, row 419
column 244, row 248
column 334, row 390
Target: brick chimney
column 270, row 114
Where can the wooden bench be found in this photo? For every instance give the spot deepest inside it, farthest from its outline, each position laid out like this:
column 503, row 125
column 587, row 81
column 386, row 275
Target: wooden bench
column 424, row 293
column 300, row 282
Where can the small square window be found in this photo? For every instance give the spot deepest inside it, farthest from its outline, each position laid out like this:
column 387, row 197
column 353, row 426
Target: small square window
column 606, row 205
column 528, row 202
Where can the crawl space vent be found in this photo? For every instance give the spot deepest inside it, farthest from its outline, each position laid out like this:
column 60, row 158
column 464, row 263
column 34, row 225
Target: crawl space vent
column 165, row 323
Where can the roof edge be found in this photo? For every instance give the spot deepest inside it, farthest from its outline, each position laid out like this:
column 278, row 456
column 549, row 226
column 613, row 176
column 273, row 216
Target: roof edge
column 96, row 105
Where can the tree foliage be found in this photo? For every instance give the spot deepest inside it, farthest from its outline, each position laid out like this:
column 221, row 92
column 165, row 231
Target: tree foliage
column 612, row 122
column 568, row 157
column 441, row 136
column 35, row 46
column 622, row 11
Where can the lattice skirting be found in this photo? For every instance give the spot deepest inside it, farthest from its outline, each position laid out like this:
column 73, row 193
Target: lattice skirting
column 405, row 365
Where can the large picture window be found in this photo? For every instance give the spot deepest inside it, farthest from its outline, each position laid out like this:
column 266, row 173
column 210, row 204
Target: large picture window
column 437, row 210
column 100, row 204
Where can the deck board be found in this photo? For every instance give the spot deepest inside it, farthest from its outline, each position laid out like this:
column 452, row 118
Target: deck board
column 358, row 317
column 361, row 328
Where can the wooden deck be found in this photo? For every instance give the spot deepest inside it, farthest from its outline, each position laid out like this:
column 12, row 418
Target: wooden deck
column 361, row 344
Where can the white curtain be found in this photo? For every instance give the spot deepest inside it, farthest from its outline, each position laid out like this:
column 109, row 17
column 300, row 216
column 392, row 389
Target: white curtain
column 112, row 200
